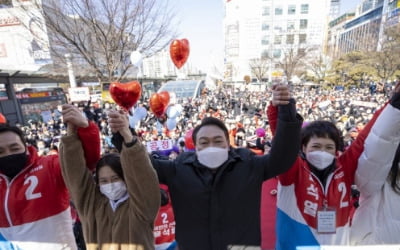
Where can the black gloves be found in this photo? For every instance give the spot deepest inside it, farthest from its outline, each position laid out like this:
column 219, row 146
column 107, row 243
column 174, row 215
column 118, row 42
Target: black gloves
column 117, row 140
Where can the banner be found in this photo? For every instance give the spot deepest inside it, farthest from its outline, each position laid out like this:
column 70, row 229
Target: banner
column 79, row 94
column 365, row 104
column 159, row 145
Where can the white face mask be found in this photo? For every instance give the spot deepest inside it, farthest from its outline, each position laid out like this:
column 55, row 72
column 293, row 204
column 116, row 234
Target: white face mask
column 212, row 157
column 320, row 159
column 113, row 191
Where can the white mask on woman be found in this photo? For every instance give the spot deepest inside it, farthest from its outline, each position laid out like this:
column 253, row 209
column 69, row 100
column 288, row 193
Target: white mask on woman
column 320, row 159
column 114, row 190
column 212, row 157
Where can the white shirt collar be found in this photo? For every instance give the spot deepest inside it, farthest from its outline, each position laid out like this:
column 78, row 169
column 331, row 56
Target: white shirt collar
column 115, row 204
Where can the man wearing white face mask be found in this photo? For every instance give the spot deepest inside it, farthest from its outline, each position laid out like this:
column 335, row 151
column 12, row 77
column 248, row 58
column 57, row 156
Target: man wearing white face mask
column 216, row 190
column 119, row 208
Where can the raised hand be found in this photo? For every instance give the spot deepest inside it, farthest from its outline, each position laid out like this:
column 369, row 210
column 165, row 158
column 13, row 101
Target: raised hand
column 280, row 94
column 73, row 117
column 118, row 122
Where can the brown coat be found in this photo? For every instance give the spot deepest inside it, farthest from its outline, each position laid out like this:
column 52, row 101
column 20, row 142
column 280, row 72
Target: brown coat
column 131, row 225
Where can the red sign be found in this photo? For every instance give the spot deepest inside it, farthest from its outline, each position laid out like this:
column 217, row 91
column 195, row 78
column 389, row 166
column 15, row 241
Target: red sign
column 33, row 94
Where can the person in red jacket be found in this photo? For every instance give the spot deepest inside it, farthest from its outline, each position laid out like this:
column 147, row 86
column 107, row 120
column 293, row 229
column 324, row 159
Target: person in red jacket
column 164, row 226
column 35, row 207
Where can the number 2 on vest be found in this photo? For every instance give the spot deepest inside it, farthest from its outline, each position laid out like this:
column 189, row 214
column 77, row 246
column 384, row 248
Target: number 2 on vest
column 29, row 193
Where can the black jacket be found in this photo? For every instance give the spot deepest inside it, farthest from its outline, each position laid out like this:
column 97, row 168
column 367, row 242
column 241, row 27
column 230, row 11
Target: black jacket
column 216, row 210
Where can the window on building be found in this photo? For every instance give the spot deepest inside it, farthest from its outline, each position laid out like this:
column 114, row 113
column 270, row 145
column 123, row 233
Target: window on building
column 277, row 53
column 289, row 39
column 266, row 11
column 290, row 25
column 303, row 23
column 265, row 40
column 278, row 28
column 265, row 54
column 304, row 9
column 291, row 9
column 278, row 11
column 302, row 38
column 301, row 51
column 366, row 5
column 265, row 26
column 278, row 39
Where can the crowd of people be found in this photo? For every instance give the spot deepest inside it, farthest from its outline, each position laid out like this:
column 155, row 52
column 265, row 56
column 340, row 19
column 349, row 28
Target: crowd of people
column 320, row 148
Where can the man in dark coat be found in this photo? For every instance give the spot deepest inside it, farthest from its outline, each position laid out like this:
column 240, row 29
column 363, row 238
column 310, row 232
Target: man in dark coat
column 216, row 190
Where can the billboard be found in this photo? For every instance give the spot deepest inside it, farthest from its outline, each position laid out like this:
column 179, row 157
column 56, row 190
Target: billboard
column 40, row 49
column 24, row 41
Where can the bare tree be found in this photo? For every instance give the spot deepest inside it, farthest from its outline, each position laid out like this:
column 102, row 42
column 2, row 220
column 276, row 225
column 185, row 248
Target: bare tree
column 259, row 68
column 101, row 34
column 292, row 59
column 386, row 61
column 319, row 66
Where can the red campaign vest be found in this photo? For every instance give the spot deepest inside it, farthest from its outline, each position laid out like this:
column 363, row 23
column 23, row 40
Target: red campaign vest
column 164, row 226
column 310, row 194
column 268, row 213
column 36, row 193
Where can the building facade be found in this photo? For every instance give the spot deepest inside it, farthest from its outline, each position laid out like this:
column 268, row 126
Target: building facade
column 24, row 43
column 334, row 10
column 260, row 29
column 160, row 65
column 363, row 29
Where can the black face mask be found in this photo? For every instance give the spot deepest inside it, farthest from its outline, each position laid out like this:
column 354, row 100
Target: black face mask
column 11, row 165
column 239, row 141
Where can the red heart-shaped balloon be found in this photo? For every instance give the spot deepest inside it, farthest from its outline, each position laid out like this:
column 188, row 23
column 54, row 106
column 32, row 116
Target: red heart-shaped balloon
column 2, row 118
column 125, row 94
column 179, row 52
column 159, row 103
column 164, row 95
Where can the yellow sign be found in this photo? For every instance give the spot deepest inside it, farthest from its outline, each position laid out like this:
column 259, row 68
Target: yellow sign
column 106, row 97
column 277, row 74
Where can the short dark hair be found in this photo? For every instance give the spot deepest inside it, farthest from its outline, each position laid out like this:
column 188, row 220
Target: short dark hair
column 7, row 128
column 113, row 161
column 207, row 122
column 324, row 129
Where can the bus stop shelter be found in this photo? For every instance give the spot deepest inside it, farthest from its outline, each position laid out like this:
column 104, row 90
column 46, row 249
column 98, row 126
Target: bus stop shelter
column 9, row 103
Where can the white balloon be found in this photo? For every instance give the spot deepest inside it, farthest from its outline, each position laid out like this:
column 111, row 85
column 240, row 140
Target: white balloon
column 171, row 123
column 142, row 112
column 172, row 112
column 179, row 108
column 159, row 127
column 133, row 120
column 136, row 58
